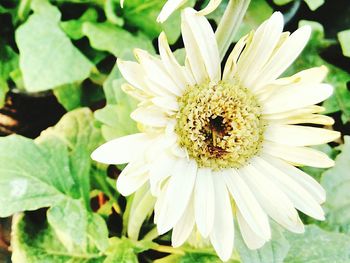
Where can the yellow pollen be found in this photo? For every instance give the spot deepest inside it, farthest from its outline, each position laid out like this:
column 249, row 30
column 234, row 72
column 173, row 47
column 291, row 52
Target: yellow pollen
column 220, row 125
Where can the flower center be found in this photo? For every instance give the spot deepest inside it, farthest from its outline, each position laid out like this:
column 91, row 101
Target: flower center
column 220, row 125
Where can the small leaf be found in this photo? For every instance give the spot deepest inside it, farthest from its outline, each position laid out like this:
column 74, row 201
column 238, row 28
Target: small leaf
column 344, row 39
column 336, row 182
column 74, row 28
column 125, row 250
column 314, row 4
column 319, row 246
column 8, row 63
column 116, row 40
column 47, row 57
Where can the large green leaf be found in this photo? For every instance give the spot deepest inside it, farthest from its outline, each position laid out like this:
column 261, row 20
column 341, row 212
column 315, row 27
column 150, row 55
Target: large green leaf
column 116, row 40
column 81, row 135
column 336, row 181
column 317, row 245
column 273, row 251
column 33, row 243
column 48, row 59
column 54, row 171
column 31, row 177
column 310, row 57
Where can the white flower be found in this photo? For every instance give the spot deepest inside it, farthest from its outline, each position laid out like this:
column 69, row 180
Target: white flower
column 222, row 145
column 171, row 5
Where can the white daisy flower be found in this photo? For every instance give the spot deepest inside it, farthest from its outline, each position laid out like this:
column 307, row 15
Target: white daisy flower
column 223, row 145
column 172, row 5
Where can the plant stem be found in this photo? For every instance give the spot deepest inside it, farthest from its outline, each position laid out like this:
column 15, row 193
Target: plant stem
column 230, row 24
column 170, row 250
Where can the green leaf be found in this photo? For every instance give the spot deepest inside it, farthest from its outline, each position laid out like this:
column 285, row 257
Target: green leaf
column 47, row 57
column 282, row 2
column 319, row 246
column 115, row 117
column 336, row 182
column 61, row 218
column 81, row 134
column 39, row 173
column 125, row 250
column 273, row 251
column 116, row 40
column 35, row 243
column 314, row 4
column 28, row 178
column 310, row 57
column 8, row 63
column 70, row 96
column 198, row 257
column 74, row 28
column 91, row 227
column 344, row 39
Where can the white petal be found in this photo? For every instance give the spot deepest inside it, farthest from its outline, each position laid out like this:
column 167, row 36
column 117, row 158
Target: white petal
column 231, row 63
column 134, row 175
column 133, row 73
column 251, row 239
column 259, row 50
column 156, row 72
column 184, row 227
column 301, row 199
column 168, row 103
column 160, row 169
column 212, row 5
column 308, row 76
column 272, row 199
column 174, row 69
column 121, row 150
column 283, row 57
column 298, row 155
column 296, row 96
column 306, row 118
column 309, row 183
column 169, row 7
column 150, row 116
column 137, row 94
column 204, row 201
column 201, row 47
column 245, row 201
column 178, row 194
column 222, row 234
column 299, row 135
column 292, row 113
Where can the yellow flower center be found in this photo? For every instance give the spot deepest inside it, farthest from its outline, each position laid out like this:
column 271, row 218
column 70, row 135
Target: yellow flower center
column 220, row 125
